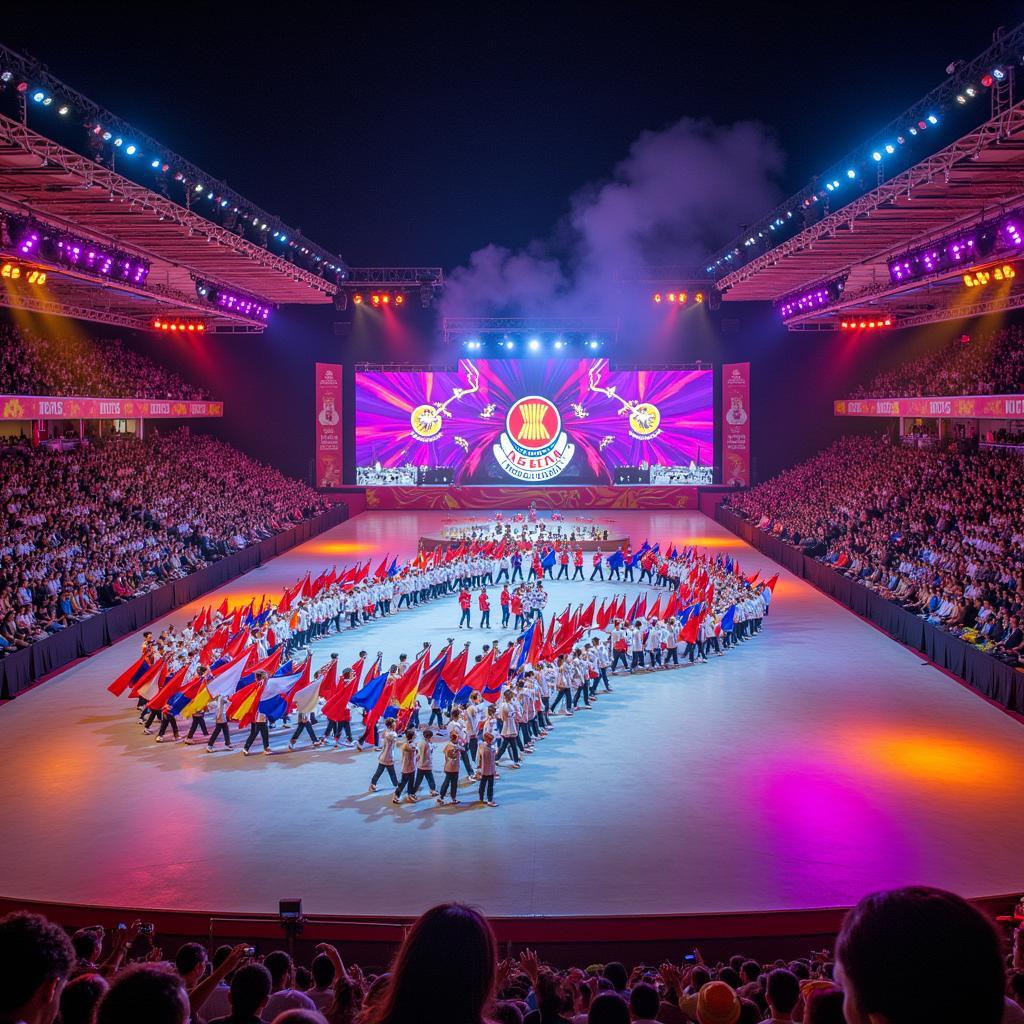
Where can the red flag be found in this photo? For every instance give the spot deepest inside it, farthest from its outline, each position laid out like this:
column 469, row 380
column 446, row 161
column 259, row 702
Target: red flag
column 587, row 618
column 128, row 677
column 690, row 628
column 336, row 708
column 753, row 579
column 239, row 644
column 641, row 610
column 536, row 646
column 771, row 583
column 222, row 611
column 302, row 683
column 363, row 572
column 672, row 606
column 167, row 690
column 631, row 616
column 382, row 570
column 479, row 675
column 604, row 614
column 454, row 673
column 431, row 676
column 307, row 589
column 151, row 680
column 566, row 645
column 655, row 612
column 386, row 698
column 217, row 641
column 329, row 680
column 500, row 667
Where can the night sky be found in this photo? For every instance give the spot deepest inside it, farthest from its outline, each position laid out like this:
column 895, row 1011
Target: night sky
column 402, row 137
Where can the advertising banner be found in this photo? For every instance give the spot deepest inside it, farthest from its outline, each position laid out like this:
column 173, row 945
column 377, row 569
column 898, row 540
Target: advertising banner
column 327, row 409
column 736, row 424
column 969, row 407
column 42, row 407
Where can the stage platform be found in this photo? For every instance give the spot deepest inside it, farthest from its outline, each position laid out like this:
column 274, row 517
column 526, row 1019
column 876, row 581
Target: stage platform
column 816, row 763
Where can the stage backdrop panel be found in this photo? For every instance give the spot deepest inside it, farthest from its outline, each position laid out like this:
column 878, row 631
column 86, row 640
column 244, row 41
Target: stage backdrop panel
column 328, row 425
column 568, row 422
column 736, row 424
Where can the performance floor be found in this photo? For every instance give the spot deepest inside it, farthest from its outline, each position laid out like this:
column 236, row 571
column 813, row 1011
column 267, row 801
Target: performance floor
column 814, row 764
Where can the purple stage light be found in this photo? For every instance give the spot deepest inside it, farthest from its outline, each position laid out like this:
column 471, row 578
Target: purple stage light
column 816, row 298
column 29, row 244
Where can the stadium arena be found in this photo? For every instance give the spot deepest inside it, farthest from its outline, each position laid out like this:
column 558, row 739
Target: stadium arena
column 620, row 566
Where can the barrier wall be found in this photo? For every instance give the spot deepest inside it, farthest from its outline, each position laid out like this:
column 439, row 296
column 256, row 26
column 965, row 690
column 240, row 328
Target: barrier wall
column 986, row 674
column 19, row 670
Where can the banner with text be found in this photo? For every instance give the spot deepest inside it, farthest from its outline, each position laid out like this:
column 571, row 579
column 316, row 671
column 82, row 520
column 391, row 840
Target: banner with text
column 968, row 407
column 44, row 407
column 736, row 424
column 328, row 425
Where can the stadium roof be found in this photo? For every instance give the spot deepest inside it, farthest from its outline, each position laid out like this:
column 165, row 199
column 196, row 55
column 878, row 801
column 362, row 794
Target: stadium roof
column 146, row 201
column 846, row 227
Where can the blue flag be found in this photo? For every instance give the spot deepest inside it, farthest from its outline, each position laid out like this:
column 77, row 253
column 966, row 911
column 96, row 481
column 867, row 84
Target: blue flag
column 548, row 560
column 368, row 695
column 728, row 619
column 615, row 560
column 393, row 570
column 527, row 640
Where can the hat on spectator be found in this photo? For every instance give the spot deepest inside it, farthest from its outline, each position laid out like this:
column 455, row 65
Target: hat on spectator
column 717, row 1004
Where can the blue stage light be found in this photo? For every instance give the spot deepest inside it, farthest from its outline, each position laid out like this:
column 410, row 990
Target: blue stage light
column 876, row 155
column 131, row 150
column 535, row 345
column 890, row 149
column 932, row 119
column 154, row 163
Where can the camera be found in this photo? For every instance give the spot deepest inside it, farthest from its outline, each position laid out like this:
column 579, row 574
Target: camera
column 250, row 950
column 145, row 929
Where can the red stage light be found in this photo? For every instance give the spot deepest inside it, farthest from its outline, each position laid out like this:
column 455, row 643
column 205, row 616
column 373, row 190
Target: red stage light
column 399, row 299
column 386, row 298
column 682, row 296
column 671, row 296
column 987, row 81
column 699, row 297
column 657, row 296
column 375, row 299
column 357, row 299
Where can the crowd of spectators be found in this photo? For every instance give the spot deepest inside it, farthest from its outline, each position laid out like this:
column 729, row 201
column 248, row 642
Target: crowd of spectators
column 70, row 364
column 907, row 956
column 84, row 530
column 939, row 531
column 989, row 364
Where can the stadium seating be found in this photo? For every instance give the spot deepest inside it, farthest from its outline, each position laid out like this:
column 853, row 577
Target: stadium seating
column 85, row 530
column 991, row 364
column 937, row 531
column 34, row 364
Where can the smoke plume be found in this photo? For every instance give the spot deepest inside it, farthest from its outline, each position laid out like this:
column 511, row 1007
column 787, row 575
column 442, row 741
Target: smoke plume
column 679, row 194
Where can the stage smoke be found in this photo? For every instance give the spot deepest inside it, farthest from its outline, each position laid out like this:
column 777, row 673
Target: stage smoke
column 680, row 194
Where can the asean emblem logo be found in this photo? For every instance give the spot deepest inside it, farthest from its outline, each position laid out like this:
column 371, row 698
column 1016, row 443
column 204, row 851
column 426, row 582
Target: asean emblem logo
column 644, row 420
column 533, row 424
column 533, row 447
column 426, row 422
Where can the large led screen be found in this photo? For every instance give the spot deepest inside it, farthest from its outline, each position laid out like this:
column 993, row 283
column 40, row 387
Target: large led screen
column 532, row 421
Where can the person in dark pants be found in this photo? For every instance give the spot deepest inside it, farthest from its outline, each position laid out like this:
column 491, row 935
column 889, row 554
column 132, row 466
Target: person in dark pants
column 386, row 759
column 407, row 784
column 517, row 567
column 577, row 561
column 485, row 610
column 425, row 763
column 485, row 766
column 259, row 726
column 598, row 569
column 452, row 753
column 506, row 601
column 220, row 723
column 563, row 565
column 305, row 725
column 465, row 603
column 169, row 721
column 198, row 723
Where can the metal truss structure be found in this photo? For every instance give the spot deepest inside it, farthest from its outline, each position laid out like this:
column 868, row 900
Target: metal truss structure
column 972, row 180
column 410, row 277
column 1006, row 50
column 37, row 74
column 458, row 326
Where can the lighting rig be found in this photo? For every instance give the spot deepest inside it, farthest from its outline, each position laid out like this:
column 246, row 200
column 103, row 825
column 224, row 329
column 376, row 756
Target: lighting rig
column 36, row 240
column 232, row 302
